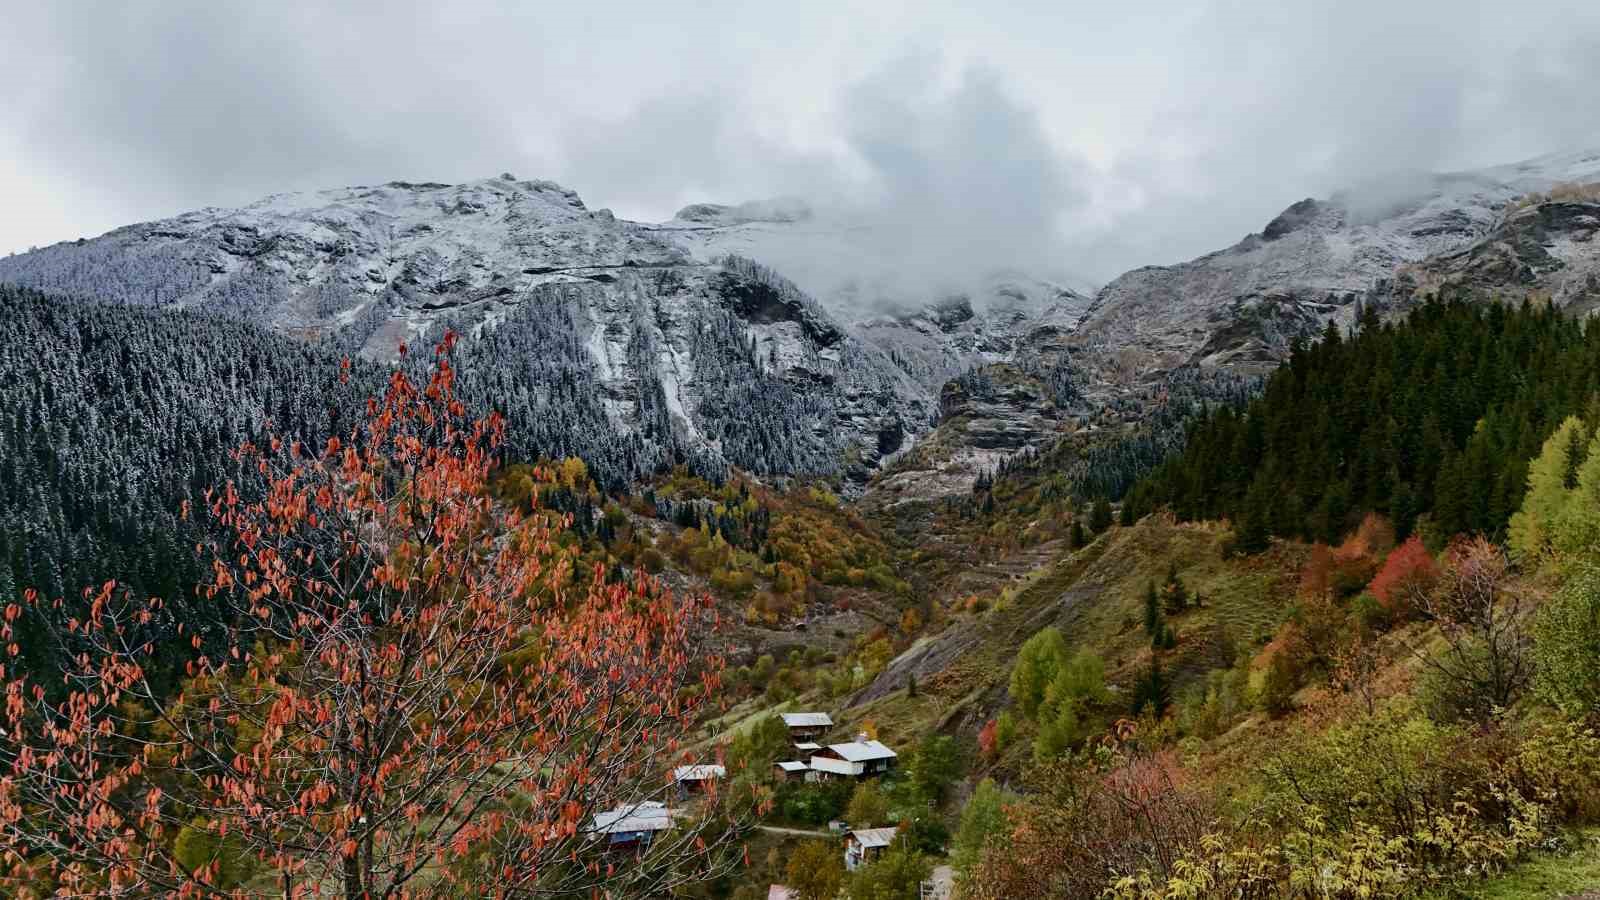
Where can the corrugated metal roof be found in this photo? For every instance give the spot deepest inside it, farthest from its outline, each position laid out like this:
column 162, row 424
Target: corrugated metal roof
column 808, row 720
column 703, row 772
column 807, row 745
column 834, row 766
column 793, row 766
column 646, row 815
column 874, row 837
column 861, row 751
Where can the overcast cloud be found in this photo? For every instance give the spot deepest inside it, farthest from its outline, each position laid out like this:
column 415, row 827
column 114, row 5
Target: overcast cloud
column 1085, row 138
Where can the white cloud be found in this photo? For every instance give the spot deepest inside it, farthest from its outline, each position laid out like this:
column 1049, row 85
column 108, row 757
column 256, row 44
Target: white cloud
column 1101, row 136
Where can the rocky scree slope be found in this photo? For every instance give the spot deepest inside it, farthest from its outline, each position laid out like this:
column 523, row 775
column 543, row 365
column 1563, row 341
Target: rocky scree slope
column 594, row 334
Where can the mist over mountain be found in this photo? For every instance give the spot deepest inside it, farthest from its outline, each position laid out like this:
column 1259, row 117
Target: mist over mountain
column 784, row 337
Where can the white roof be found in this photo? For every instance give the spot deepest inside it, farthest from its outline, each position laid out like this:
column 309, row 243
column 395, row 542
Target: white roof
column 698, row 773
column 779, row 892
column 792, row 766
column 808, row 720
column 874, row 837
column 835, row 766
column 861, row 751
column 807, row 745
column 646, row 815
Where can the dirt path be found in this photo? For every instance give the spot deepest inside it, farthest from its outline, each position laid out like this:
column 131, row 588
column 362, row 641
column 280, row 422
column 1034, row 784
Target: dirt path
column 797, row 832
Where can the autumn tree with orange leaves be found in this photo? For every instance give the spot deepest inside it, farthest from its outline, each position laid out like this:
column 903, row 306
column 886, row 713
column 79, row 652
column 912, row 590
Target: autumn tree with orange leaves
column 417, row 696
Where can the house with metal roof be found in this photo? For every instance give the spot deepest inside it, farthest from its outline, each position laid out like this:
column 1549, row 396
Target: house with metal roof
column 792, row 770
column 860, row 758
column 695, row 779
column 863, row 845
column 632, row 825
column 807, row 726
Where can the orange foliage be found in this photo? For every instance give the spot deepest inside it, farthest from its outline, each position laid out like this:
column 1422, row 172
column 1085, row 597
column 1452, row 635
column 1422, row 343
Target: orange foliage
column 415, row 682
column 1407, row 575
column 1343, row 570
column 989, row 739
column 1371, row 539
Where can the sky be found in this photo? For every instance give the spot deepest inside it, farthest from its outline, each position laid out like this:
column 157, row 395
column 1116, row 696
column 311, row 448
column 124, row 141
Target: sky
column 1085, row 138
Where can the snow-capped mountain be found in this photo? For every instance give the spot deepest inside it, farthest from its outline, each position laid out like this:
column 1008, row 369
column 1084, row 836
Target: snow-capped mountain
column 772, row 337
column 609, row 340
column 1239, row 308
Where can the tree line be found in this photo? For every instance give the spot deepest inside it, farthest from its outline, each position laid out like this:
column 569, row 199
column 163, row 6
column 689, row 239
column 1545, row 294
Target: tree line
column 1430, row 420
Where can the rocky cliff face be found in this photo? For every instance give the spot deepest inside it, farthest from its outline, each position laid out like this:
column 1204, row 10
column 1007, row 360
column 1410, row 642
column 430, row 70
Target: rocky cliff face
column 1543, row 248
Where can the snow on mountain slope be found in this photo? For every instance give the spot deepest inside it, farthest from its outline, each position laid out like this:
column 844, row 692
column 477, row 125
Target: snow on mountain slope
column 597, row 335
column 1543, row 248
column 1239, row 308
column 934, row 327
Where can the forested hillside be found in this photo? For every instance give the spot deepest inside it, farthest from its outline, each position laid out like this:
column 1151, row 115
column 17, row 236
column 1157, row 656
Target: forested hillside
column 112, row 418
column 1433, row 418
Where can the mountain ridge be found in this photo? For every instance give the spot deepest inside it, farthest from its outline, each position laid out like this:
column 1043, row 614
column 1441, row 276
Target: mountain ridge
column 688, row 339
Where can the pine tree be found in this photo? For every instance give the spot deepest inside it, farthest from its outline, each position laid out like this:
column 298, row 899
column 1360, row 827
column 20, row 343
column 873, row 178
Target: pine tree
column 1076, row 537
column 1152, row 610
column 1250, row 534
column 1100, row 516
column 1177, row 596
column 1152, row 691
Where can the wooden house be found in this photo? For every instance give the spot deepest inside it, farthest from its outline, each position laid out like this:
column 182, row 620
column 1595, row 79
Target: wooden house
column 863, row 845
column 807, row 726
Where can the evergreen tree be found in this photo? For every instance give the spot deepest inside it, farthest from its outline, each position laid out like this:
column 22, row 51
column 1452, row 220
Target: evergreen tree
column 1437, row 415
column 1100, row 516
column 1126, row 517
column 1152, row 692
column 1152, row 610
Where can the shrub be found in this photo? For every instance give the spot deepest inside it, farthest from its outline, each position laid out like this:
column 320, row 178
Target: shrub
column 1408, row 575
column 897, row 875
column 815, row 871
column 928, row 835
column 1278, row 683
column 1005, row 731
column 936, row 766
column 1038, row 663
column 988, row 740
column 1484, row 664
column 1567, row 645
column 868, row 807
column 1056, row 734
column 983, row 820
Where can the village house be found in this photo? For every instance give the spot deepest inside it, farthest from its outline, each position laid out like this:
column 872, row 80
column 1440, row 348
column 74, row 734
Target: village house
column 792, row 770
column 860, row 758
column 696, row 779
column 807, row 726
column 631, row 827
column 863, row 845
